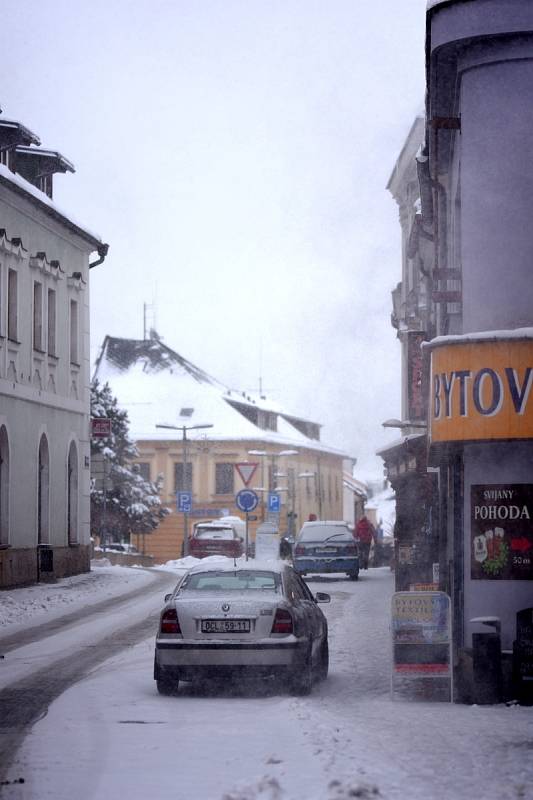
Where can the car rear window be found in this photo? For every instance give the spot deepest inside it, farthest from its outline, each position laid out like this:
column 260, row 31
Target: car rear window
column 214, row 533
column 319, row 533
column 238, row 581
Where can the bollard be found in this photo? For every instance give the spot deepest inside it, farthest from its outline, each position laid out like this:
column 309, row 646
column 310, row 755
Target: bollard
column 487, row 665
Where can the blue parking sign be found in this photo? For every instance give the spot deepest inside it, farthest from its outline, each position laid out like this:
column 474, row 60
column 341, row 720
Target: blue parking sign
column 184, row 502
column 274, row 501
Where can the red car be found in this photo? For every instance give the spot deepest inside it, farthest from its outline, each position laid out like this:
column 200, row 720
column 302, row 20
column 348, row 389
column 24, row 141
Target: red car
column 215, row 539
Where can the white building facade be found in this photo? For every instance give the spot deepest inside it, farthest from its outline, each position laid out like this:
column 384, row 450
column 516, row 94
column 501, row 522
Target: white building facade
column 44, row 369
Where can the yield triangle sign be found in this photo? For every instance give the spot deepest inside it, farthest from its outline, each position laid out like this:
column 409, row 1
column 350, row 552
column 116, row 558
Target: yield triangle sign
column 246, row 471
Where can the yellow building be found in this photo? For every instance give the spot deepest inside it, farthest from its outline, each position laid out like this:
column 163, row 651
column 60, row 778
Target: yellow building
column 197, row 434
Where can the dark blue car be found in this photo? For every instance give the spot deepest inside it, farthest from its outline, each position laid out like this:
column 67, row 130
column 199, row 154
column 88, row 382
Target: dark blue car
column 325, row 546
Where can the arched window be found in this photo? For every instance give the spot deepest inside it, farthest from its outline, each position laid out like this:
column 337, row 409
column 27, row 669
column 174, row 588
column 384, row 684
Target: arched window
column 4, row 486
column 72, row 494
column 43, row 493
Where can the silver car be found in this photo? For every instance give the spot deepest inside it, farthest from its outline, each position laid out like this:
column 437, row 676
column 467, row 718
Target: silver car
column 224, row 618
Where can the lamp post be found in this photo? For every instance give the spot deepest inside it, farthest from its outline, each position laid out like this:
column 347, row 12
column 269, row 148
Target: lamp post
column 185, row 484
column 262, row 454
column 274, row 456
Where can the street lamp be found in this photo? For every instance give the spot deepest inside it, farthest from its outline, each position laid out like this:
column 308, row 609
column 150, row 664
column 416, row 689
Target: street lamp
column 398, row 423
column 184, row 429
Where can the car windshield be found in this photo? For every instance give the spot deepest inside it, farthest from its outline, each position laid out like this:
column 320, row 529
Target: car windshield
column 238, row 581
column 323, row 533
column 214, row 533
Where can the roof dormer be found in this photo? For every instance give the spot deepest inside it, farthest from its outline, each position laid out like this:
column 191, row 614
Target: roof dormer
column 39, row 166
column 13, row 134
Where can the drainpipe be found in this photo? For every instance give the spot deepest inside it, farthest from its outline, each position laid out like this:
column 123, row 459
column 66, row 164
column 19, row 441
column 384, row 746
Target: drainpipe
column 102, row 252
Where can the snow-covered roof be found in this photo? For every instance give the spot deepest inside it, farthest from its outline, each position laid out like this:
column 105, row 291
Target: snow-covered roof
column 154, row 384
column 22, row 186
column 411, row 437
column 358, row 487
column 480, row 336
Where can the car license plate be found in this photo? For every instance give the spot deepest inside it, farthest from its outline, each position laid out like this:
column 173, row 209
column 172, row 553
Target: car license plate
column 327, row 550
column 225, row 626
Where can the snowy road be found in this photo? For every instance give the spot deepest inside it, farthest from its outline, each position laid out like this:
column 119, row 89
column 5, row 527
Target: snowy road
column 111, row 734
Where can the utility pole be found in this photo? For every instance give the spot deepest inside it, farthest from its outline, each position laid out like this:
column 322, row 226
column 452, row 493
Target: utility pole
column 185, row 482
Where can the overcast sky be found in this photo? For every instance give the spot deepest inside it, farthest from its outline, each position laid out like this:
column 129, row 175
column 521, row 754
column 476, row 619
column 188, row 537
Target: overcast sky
column 234, row 154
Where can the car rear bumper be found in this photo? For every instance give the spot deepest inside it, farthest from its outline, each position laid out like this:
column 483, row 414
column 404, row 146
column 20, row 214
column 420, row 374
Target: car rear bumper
column 263, row 655
column 342, row 564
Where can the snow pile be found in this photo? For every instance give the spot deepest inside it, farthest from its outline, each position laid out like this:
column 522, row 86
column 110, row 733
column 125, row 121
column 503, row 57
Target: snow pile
column 184, row 564
column 69, row 594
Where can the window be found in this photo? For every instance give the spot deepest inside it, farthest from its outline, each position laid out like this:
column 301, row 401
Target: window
column 239, row 580
column 72, row 494
column 51, row 343
column 37, row 315
column 12, row 315
column 144, row 470
column 224, row 479
column 4, row 487
column 74, row 355
column 179, row 485
column 43, row 485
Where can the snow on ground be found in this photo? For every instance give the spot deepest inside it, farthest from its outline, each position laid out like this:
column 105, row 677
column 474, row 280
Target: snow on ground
column 52, row 600
column 112, row 735
column 49, row 600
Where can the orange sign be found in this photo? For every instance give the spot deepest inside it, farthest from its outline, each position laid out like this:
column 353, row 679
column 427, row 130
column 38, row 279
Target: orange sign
column 481, row 390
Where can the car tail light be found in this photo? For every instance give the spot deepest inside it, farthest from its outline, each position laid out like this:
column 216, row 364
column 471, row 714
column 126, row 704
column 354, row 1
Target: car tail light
column 282, row 622
column 299, row 550
column 169, row 621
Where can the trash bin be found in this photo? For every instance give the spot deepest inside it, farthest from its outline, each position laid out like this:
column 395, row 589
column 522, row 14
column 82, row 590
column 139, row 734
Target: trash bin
column 46, row 558
column 487, row 665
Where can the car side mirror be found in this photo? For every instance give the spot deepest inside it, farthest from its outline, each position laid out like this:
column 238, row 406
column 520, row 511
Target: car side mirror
column 168, row 596
column 322, row 597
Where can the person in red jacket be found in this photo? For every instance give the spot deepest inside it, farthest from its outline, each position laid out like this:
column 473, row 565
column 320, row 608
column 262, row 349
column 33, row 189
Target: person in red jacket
column 364, row 534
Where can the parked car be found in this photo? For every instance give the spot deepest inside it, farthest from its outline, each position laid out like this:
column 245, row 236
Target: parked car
column 223, row 619
column 217, row 538
column 121, row 547
column 326, row 546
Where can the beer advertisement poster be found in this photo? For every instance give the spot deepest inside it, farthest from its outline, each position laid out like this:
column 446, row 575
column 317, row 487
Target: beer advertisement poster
column 502, row 532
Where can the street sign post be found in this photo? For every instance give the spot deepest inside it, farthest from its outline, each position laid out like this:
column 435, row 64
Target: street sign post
column 246, row 471
column 184, row 502
column 100, row 427
column 246, row 501
column 274, row 502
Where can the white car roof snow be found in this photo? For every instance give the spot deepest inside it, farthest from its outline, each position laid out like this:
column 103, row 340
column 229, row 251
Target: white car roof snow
column 223, row 564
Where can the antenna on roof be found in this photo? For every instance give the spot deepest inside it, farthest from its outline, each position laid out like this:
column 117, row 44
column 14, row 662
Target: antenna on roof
column 261, row 366
column 149, row 321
